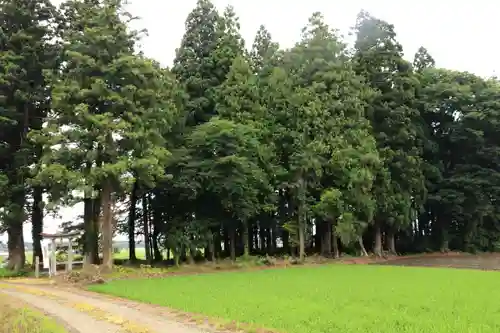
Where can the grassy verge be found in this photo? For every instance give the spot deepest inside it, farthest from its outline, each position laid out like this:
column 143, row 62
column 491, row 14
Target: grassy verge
column 16, row 318
column 5, row 273
column 332, row 298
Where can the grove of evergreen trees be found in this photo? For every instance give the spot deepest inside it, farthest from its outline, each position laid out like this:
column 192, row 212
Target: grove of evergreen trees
column 240, row 149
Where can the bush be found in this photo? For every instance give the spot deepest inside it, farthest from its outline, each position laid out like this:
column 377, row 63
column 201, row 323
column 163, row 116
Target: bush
column 5, row 273
column 267, row 261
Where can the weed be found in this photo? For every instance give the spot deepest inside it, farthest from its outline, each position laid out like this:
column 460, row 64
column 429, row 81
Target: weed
column 20, row 319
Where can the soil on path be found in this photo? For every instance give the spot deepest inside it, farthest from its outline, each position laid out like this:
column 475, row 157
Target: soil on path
column 487, row 261
column 86, row 312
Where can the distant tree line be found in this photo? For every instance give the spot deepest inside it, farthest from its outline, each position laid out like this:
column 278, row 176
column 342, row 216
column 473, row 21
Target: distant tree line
column 240, row 149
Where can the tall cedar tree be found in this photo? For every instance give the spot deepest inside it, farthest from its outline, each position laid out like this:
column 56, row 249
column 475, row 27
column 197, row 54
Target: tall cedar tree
column 239, row 101
column 110, row 109
column 339, row 147
column 323, row 148
column 400, row 184
column 264, row 54
column 208, row 48
column 26, row 49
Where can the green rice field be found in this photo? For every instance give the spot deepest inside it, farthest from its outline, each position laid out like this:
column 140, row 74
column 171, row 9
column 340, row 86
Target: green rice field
column 333, row 298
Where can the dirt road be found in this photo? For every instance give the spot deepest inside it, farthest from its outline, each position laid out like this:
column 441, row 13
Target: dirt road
column 85, row 312
column 486, row 261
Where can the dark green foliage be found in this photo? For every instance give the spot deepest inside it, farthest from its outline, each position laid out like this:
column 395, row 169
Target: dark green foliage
column 317, row 148
column 27, row 49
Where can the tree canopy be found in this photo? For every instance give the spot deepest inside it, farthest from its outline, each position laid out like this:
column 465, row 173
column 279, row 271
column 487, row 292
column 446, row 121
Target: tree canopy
column 240, row 150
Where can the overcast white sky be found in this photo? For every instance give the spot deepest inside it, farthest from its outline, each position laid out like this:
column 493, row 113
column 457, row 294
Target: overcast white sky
column 459, row 35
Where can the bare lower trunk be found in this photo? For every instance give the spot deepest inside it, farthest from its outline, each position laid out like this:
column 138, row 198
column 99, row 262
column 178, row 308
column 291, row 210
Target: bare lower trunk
column 157, row 256
column 107, row 227
column 131, row 223
column 15, row 244
column 217, row 244
column 211, row 247
column 269, row 242
column 251, row 238
column 145, row 219
column 37, row 223
column 326, row 239
column 226, row 238
column 177, row 258
column 246, row 245
column 377, row 247
column 335, row 243
column 444, row 244
column 286, row 241
column 302, row 246
column 362, row 246
column 391, row 243
column 90, row 234
column 192, row 253
column 274, row 236
column 96, row 214
column 232, row 243
column 301, row 217
column 262, row 238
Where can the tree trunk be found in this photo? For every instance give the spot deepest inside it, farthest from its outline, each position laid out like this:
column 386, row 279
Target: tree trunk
column 286, row 241
column 217, row 244
column 225, row 234
column 158, row 257
column 301, row 217
column 269, row 242
column 15, row 217
column 158, row 226
column 444, row 239
column 377, row 248
column 192, row 253
column 262, row 238
column 232, row 243
column 335, row 242
column 211, row 247
column 17, row 256
column 14, row 221
column 131, row 223
column 96, row 213
column 251, row 244
column 37, row 223
column 246, row 245
column 302, row 248
column 274, row 237
column 326, row 239
column 362, row 247
column 145, row 219
column 176, row 258
column 107, row 226
column 90, row 248
column 391, row 243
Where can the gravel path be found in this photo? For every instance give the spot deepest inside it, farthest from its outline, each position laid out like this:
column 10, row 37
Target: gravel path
column 79, row 322
column 86, row 312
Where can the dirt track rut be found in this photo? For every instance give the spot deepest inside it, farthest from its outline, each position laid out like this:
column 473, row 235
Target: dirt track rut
column 85, row 312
